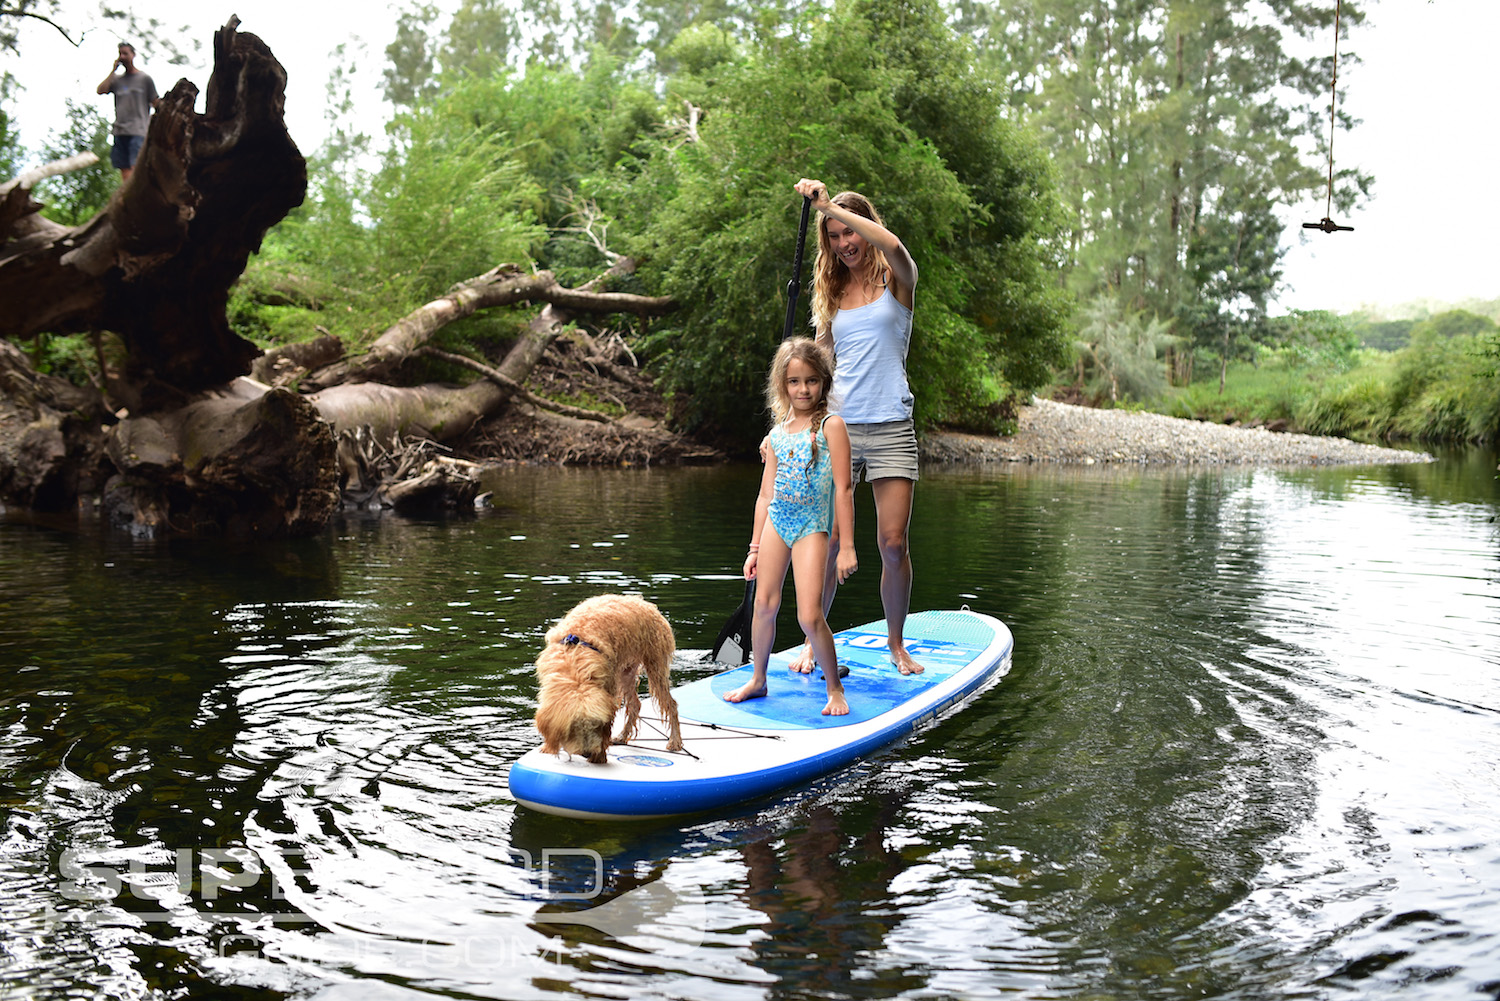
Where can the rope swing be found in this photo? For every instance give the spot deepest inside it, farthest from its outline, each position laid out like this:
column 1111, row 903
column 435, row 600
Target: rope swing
column 1327, row 224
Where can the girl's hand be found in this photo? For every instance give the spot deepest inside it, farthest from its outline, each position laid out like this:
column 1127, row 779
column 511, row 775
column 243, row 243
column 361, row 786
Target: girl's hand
column 847, row 562
column 817, row 191
column 750, row 564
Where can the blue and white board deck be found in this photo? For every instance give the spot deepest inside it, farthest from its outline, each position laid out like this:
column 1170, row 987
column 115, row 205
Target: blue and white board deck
column 736, row 752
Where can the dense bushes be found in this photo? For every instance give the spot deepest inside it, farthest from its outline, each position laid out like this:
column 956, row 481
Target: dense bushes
column 1442, row 386
column 878, row 96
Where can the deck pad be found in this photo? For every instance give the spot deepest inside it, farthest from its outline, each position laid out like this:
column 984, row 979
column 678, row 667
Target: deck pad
column 874, row 685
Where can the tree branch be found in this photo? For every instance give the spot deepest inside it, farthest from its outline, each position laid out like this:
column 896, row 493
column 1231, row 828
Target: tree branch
column 501, row 286
column 66, row 165
column 502, row 379
column 18, row 12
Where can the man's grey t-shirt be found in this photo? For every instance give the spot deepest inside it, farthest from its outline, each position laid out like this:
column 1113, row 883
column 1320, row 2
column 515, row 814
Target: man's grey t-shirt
column 134, row 94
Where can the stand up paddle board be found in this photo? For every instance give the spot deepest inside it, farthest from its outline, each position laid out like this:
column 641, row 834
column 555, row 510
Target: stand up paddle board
column 738, row 751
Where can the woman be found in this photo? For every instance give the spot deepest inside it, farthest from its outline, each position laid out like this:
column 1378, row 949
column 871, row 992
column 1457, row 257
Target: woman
column 863, row 286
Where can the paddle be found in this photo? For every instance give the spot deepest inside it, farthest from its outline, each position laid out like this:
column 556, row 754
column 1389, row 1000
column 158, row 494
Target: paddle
column 733, row 645
column 794, row 287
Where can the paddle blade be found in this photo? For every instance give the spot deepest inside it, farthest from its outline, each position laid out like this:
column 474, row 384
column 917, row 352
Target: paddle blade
column 733, row 645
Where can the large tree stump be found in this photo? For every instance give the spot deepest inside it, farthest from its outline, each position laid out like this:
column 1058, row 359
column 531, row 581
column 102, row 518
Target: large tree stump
column 156, row 265
column 240, row 460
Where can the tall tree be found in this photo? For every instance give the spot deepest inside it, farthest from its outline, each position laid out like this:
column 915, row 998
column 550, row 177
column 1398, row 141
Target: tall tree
column 488, row 37
column 411, row 58
column 1179, row 126
column 876, row 95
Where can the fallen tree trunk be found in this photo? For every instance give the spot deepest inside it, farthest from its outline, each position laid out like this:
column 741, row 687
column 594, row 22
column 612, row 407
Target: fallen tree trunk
column 516, row 389
column 444, row 413
column 503, row 286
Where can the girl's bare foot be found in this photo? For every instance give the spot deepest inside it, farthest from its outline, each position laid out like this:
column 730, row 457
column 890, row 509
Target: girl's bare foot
column 752, row 689
column 837, row 705
column 804, row 662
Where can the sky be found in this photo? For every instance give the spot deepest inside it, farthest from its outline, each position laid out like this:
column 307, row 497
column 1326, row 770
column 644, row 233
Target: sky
column 1425, row 92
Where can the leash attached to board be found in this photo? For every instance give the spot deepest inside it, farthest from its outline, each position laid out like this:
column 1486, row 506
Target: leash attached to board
column 733, row 645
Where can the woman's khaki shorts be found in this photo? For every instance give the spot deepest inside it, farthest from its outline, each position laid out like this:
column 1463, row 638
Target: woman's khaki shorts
column 881, row 450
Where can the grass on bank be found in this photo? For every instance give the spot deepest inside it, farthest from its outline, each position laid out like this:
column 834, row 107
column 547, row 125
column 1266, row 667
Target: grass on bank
column 1435, row 389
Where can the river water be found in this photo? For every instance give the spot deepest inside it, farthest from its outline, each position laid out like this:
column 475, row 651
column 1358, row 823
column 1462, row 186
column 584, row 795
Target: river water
column 1248, row 749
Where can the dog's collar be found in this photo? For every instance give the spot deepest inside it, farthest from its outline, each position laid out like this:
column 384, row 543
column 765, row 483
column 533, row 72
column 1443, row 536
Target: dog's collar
column 573, row 639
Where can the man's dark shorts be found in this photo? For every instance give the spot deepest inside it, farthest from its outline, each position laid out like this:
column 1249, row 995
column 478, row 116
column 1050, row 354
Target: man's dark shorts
column 125, row 150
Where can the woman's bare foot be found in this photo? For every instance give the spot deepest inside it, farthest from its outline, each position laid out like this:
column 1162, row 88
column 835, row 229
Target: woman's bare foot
column 751, row 689
column 904, row 663
column 804, row 662
column 837, row 705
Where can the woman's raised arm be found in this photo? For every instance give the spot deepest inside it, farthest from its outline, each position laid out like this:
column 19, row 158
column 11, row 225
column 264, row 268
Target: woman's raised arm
column 903, row 268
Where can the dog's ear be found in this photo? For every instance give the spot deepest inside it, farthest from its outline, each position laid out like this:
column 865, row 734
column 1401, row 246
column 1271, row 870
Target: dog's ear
column 549, row 725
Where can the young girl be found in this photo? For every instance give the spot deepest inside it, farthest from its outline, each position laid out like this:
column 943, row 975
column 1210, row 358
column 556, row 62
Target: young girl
column 805, row 488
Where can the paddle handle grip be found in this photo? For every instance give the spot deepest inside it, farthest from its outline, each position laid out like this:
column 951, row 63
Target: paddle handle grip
column 794, row 287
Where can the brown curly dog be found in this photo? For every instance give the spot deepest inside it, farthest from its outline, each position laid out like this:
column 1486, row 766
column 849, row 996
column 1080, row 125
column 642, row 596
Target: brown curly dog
column 593, row 660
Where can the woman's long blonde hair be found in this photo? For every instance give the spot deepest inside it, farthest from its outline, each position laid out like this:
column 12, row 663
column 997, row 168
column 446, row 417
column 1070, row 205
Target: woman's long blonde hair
column 779, row 401
column 830, row 276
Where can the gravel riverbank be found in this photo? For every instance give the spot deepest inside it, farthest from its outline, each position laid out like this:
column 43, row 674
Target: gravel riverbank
column 1060, row 432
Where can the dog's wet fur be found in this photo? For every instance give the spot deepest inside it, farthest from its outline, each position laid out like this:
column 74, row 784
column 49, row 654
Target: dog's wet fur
column 592, row 663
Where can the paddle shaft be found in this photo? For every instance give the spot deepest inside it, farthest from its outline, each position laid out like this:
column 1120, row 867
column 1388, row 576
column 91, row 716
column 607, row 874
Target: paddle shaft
column 794, row 287
column 738, row 625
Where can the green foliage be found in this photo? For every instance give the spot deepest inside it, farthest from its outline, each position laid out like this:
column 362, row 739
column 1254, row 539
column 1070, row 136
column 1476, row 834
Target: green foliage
column 1120, row 354
column 15, row 13
column 1355, row 404
column 411, row 59
column 157, row 42
column 1386, row 335
column 75, row 357
column 879, row 97
column 1251, row 394
column 448, row 203
column 668, row 21
column 561, row 125
column 1178, row 128
column 1441, row 387
column 10, row 139
column 76, row 197
column 1453, row 323
column 1389, row 328
column 1317, row 339
column 486, row 38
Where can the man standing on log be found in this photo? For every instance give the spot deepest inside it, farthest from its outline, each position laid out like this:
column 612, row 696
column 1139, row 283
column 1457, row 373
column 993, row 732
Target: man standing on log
column 135, row 96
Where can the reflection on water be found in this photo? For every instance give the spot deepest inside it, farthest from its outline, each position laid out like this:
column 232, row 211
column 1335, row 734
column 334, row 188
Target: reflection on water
column 1248, row 749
